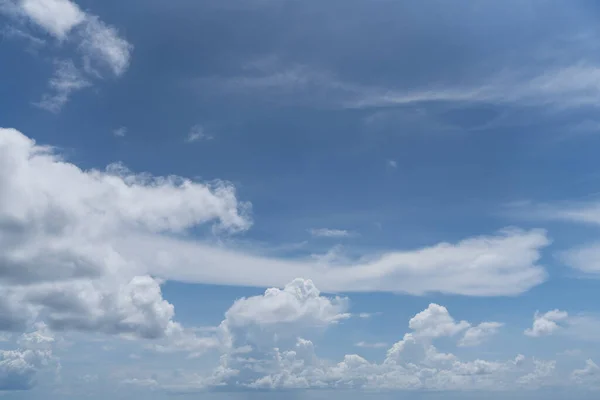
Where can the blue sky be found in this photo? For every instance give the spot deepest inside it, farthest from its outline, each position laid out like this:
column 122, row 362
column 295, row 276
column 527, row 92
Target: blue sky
column 343, row 199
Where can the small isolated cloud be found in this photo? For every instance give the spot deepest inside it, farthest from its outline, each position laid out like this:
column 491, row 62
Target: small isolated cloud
column 392, row 164
column 546, row 324
column 120, row 132
column 375, row 345
column 330, row 233
column 67, row 79
column 197, row 133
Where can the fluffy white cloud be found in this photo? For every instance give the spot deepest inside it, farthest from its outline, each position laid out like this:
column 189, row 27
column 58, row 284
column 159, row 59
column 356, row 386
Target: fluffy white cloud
column 435, row 322
column 18, row 368
column 59, row 229
column 546, row 324
column 580, row 327
column 58, row 17
column 300, row 302
column 413, row 363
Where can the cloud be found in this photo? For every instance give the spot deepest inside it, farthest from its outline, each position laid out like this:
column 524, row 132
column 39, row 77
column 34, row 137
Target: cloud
column 590, row 374
column 57, row 17
column 375, row 345
column 435, row 322
column 197, row 133
column 120, row 132
column 330, row 233
column 503, row 264
column 584, row 258
column 476, row 335
column 100, row 45
column 66, row 80
column 546, row 324
column 82, row 250
column 59, row 226
column 19, row 367
column 392, row 164
column 577, row 212
column 413, row 363
column 563, row 85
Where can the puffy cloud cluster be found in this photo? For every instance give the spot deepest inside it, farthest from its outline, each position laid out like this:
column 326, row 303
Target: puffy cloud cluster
column 18, row 368
column 100, row 45
column 412, row 363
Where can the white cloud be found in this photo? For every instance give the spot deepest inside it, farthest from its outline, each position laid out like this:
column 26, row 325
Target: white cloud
column 413, row 363
column 18, row 368
column 476, row 335
column 561, row 86
column 546, row 324
column 80, row 250
column 57, row 17
column 330, row 233
column 590, row 374
column 584, row 258
column 392, row 164
column 374, row 345
column 435, row 322
column 197, row 133
column 59, row 228
column 503, row 264
column 66, row 80
column 102, row 44
column 120, row 132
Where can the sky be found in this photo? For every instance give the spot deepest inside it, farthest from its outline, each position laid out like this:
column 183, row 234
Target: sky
column 250, row 199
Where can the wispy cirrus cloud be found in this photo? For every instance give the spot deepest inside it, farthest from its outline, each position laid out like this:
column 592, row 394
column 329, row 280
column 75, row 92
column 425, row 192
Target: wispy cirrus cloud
column 562, row 86
column 100, row 46
column 330, row 233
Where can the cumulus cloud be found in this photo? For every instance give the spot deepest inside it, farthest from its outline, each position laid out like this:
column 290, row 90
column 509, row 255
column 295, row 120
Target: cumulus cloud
column 59, row 262
column 546, row 324
column 57, row 17
column 582, row 327
column 19, row 367
column 413, row 363
column 435, row 322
